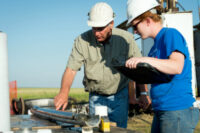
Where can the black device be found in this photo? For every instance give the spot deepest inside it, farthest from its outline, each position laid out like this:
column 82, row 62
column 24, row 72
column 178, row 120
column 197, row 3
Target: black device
column 144, row 73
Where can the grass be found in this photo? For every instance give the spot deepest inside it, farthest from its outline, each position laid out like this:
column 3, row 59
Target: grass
column 36, row 93
column 141, row 123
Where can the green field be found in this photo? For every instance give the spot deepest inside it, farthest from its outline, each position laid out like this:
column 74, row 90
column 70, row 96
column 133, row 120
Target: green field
column 140, row 123
column 34, row 93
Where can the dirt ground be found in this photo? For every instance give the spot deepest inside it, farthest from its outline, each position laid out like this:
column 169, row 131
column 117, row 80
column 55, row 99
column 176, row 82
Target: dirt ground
column 140, row 123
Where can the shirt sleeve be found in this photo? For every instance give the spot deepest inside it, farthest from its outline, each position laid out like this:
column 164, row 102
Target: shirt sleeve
column 76, row 57
column 174, row 41
column 134, row 51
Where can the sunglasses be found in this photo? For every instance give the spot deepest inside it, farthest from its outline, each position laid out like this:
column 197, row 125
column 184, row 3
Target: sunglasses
column 135, row 25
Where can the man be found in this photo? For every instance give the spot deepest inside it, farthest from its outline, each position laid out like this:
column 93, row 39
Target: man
column 95, row 49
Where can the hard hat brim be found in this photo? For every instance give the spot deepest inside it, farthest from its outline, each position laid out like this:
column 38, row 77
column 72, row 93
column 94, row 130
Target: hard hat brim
column 99, row 24
column 129, row 22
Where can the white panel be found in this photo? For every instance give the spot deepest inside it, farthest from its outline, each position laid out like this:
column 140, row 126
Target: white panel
column 183, row 23
column 4, row 89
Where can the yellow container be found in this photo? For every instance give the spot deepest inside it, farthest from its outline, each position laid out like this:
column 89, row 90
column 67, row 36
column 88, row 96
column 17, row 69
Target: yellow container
column 105, row 124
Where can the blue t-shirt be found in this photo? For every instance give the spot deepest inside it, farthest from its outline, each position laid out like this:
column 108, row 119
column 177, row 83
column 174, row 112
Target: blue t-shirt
column 177, row 94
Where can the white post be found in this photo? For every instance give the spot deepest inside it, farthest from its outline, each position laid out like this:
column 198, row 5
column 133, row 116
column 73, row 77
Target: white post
column 4, row 89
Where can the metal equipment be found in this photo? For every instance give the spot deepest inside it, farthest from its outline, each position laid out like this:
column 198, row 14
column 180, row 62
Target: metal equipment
column 68, row 118
column 60, row 122
column 21, row 106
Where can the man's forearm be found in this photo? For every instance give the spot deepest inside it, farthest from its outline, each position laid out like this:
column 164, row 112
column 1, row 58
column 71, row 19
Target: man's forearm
column 142, row 87
column 67, row 80
column 132, row 92
column 61, row 100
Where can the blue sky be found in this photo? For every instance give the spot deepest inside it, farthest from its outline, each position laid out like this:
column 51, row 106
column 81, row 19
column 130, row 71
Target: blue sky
column 41, row 34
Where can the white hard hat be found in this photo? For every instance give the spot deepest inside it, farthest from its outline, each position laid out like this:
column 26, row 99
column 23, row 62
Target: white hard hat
column 100, row 15
column 137, row 7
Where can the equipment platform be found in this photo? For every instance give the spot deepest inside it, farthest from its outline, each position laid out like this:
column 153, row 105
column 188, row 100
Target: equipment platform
column 33, row 124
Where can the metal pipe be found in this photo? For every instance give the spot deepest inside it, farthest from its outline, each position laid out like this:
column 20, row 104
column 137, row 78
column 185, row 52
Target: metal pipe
column 4, row 89
column 171, row 5
column 55, row 117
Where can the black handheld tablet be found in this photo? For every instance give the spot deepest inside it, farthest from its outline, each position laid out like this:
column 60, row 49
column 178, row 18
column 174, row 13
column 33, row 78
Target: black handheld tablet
column 144, row 73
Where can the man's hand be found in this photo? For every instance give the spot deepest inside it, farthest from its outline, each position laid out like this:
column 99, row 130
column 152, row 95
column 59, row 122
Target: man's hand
column 144, row 101
column 61, row 100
